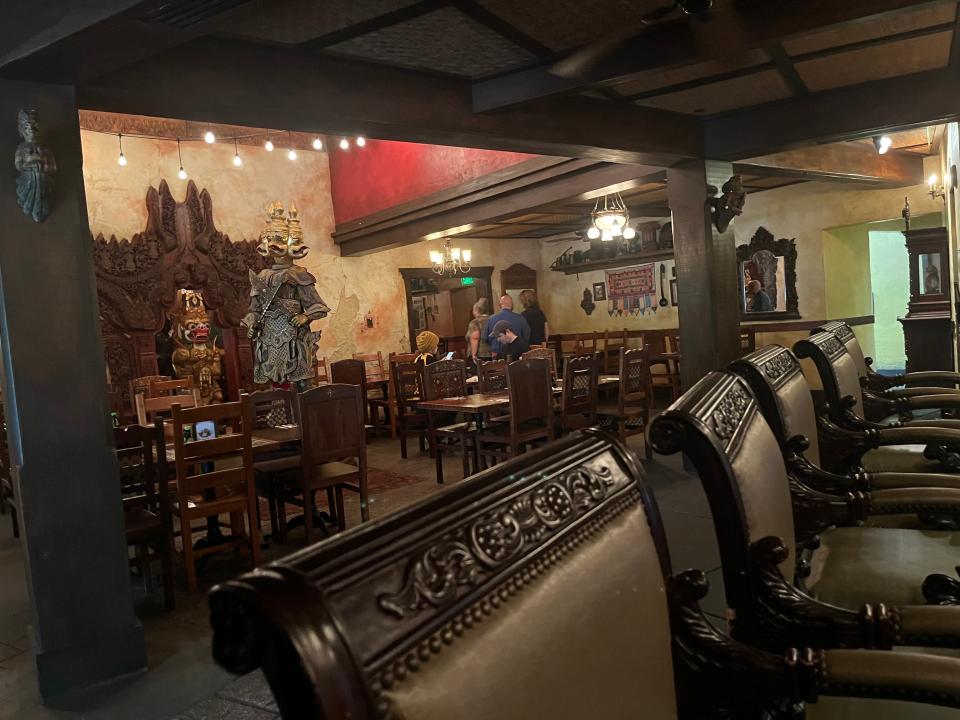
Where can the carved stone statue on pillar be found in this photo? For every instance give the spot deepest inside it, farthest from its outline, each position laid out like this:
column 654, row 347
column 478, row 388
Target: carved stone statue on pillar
column 284, row 301
column 196, row 354
column 36, row 165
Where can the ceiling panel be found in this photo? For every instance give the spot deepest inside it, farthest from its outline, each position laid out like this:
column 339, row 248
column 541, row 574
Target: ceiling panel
column 297, row 21
column 877, row 62
column 719, row 97
column 444, row 40
column 564, row 24
column 653, row 79
column 845, row 34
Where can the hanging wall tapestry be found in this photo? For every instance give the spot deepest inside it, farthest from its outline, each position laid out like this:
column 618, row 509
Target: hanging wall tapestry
column 631, row 290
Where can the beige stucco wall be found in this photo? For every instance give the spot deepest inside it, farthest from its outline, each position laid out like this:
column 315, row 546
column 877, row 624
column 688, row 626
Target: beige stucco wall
column 352, row 287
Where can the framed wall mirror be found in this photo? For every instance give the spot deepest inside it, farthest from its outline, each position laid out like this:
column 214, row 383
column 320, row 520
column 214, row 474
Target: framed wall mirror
column 767, row 270
column 443, row 303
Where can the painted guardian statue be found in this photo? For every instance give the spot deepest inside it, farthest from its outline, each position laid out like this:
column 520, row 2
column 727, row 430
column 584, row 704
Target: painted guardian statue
column 284, row 301
column 196, row 354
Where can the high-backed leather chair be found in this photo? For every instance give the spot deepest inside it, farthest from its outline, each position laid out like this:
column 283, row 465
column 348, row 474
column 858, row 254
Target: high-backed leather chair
column 777, row 381
column 861, row 573
column 845, row 398
column 538, row 589
column 880, row 383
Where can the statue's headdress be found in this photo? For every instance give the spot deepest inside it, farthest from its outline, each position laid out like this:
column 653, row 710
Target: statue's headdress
column 282, row 235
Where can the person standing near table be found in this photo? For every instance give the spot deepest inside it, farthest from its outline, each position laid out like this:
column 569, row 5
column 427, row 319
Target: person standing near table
column 539, row 327
column 478, row 346
column 515, row 320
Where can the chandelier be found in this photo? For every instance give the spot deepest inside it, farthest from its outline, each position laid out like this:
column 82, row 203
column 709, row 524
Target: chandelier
column 610, row 219
column 450, row 260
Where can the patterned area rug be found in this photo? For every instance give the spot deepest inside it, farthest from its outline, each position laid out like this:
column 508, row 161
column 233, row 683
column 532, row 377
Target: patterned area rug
column 377, row 481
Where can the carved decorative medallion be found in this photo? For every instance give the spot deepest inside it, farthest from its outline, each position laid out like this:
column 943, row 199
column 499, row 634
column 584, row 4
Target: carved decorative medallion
column 830, row 345
column 728, row 414
column 779, row 365
column 843, row 332
column 468, row 556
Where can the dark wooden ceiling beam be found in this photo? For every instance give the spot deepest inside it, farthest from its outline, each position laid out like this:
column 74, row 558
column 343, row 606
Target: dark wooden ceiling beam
column 500, row 26
column 846, row 113
column 408, row 12
column 225, row 81
column 673, row 43
column 840, row 162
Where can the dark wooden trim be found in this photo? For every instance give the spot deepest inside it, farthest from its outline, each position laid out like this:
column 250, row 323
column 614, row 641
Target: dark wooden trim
column 785, row 66
column 503, row 28
column 516, row 276
column 614, row 262
column 576, row 179
column 497, row 177
column 484, row 272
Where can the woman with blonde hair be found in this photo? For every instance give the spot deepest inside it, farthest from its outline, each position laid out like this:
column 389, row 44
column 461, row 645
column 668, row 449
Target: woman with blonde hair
column 539, row 327
column 478, row 347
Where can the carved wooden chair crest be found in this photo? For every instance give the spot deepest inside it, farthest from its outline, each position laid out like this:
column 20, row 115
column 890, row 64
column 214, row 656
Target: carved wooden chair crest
column 718, row 424
column 429, row 612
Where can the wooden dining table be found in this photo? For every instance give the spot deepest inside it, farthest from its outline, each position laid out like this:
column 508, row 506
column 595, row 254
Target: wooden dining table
column 263, row 440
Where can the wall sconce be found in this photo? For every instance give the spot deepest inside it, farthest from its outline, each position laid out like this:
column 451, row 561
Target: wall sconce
column 936, row 188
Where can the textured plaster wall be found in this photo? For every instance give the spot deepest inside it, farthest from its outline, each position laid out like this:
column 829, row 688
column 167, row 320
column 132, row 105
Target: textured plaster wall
column 352, row 287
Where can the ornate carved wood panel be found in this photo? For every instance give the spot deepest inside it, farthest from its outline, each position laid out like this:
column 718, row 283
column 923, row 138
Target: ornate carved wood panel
column 138, row 278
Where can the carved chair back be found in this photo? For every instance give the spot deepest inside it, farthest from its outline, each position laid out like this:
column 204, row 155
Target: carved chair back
column 492, row 376
column 838, row 373
column 331, row 425
column 143, row 470
column 634, row 370
column 385, row 621
column 141, row 385
column 719, row 426
column 406, row 382
column 777, row 381
column 844, row 333
column 544, row 354
column 531, row 393
column 580, row 386
column 443, row 379
column 274, row 407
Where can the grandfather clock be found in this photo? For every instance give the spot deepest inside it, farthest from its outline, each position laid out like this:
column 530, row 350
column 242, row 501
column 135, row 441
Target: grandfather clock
column 927, row 326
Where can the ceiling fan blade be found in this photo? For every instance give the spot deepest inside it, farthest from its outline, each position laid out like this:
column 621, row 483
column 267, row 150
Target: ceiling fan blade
column 583, row 60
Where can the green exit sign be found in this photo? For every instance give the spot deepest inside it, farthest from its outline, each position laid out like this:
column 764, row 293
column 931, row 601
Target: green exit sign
column 466, row 281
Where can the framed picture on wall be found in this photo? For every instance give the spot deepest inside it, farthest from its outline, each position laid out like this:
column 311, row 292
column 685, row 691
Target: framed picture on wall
column 673, row 292
column 599, row 292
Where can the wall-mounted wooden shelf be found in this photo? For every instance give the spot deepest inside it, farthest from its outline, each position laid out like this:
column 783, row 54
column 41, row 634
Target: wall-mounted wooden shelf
column 614, row 262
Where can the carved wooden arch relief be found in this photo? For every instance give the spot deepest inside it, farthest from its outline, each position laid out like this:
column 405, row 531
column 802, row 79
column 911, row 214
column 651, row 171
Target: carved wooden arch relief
column 138, row 280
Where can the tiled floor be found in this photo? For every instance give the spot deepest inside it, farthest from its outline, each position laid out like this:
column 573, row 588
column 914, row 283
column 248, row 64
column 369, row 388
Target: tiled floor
column 183, row 683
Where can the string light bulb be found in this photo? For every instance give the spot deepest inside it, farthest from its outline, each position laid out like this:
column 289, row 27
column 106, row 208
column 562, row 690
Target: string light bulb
column 122, row 160
column 344, row 144
column 292, row 154
column 183, row 173
column 209, row 137
column 236, row 154
column 361, row 141
column 268, row 145
column 317, row 144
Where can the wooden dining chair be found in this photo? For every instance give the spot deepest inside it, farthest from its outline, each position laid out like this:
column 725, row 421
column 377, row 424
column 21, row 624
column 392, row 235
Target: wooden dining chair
column 630, row 414
column 352, row 372
column 665, row 368
column 406, row 394
column 586, row 343
column 492, row 376
column 321, row 372
column 177, row 386
column 390, row 404
column 530, row 390
column 543, row 354
column 372, row 364
column 269, row 409
column 378, row 392
column 141, row 385
column 579, row 396
column 150, row 407
column 447, row 379
column 613, row 340
column 332, row 433
column 228, row 489
column 145, row 491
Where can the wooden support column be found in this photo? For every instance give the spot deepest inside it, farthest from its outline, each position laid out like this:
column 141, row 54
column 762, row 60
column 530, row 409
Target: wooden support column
column 706, row 272
column 84, row 630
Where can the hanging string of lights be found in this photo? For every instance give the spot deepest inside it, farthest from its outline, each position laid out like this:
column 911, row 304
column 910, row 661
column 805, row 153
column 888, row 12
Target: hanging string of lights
column 210, row 138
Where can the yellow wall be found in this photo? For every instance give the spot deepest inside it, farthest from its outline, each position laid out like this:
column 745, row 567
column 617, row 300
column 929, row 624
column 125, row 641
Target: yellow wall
column 352, row 287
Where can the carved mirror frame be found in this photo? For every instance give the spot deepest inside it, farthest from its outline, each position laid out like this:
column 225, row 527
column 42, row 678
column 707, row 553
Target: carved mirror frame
column 786, row 250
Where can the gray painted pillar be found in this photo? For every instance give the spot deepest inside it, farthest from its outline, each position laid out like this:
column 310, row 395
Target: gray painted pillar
column 54, row 380
column 706, row 271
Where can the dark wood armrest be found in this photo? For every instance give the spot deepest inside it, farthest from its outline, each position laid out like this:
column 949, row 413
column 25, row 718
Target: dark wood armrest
column 916, row 378
column 918, row 391
column 817, row 478
column 916, row 500
column 931, row 402
column 890, row 480
column 898, row 676
column 918, row 435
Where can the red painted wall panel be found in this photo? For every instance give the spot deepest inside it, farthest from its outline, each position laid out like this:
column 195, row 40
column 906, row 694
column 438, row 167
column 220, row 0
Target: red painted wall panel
column 386, row 173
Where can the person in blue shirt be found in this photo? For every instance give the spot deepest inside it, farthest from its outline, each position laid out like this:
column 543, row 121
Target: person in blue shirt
column 516, row 321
